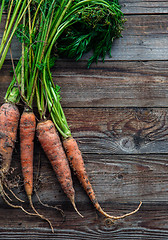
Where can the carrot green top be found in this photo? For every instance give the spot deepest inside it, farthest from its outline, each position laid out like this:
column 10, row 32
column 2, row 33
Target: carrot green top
column 53, row 28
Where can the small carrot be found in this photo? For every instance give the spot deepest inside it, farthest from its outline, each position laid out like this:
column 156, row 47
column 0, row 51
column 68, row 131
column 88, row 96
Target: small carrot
column 9, row 118
column 52, row 146
column 76, row 161
column 27, row 133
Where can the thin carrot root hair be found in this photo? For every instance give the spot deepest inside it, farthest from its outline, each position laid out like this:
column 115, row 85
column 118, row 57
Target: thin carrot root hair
column 17, row 198
column 16, row 206
column 36, row 192
column 74, row 156
column 48, row 206
column 38, row 214
column 5, row 197
column 119, row 217
column 8, row 201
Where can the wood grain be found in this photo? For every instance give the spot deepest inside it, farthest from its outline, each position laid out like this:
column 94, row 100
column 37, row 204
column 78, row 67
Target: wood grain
column 113, row 84
column 144, row 6
column 120, row 131
column 115, row 179
column 119, row 183
column 109, row 84
column 92, row 227
column 144, row 38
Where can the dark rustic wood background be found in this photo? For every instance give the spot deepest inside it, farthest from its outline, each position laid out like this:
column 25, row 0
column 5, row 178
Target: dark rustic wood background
column 118, row 112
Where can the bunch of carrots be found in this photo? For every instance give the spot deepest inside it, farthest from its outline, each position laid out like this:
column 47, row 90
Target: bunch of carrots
column 48, row 29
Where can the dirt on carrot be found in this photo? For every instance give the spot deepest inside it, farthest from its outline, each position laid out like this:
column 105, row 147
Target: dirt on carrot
column 27, row 134
column 52, row 146
column 9, row 118
column 75, row 158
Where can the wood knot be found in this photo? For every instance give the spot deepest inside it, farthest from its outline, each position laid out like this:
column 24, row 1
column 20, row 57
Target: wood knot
column 127, row 144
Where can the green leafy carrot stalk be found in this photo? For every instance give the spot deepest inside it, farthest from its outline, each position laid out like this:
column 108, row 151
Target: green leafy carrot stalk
column 2, row 9
column 16, row 11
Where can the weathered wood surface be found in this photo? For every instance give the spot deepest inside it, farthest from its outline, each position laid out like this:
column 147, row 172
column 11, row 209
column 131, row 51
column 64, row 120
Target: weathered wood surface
column 137, row 227
column 109, row 84
column 144, row 38
column 118, row 113
column 144, row 6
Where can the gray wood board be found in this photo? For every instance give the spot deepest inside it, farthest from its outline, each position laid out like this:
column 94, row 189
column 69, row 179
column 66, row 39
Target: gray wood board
column 122, row 179
column 144, row 38
column 109, row 84
column 143, row 225
column 144, row 6
column 120, row 131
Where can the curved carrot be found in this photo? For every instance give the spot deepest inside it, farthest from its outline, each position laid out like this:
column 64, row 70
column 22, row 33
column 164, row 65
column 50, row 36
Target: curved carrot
column 27, row 133
column 76, row 161
column 52, row 146
column 9, row 118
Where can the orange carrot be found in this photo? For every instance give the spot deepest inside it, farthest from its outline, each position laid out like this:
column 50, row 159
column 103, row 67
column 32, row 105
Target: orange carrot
column 9, row 118
column 52, row 146
column 27, row 133
column 76, row 161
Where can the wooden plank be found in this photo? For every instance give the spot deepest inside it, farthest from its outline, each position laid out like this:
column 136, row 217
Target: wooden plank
column 120, row 131
column 112, row 84
column 125, row 149
column 119, row 183
column 150, row 223
column 144, row 38
column 144, row 6
column 148, row 218
column 122, row 179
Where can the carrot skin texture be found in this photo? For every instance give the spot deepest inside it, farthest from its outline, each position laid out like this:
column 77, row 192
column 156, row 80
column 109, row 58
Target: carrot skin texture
column 27, row 133
column 74, row 156
column 52, row 146
column 9, row 118
column 76, row 161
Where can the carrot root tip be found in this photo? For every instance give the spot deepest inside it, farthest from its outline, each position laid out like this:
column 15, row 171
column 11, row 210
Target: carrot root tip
column 74, row 205
column 38, row 214
column 128, row 214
